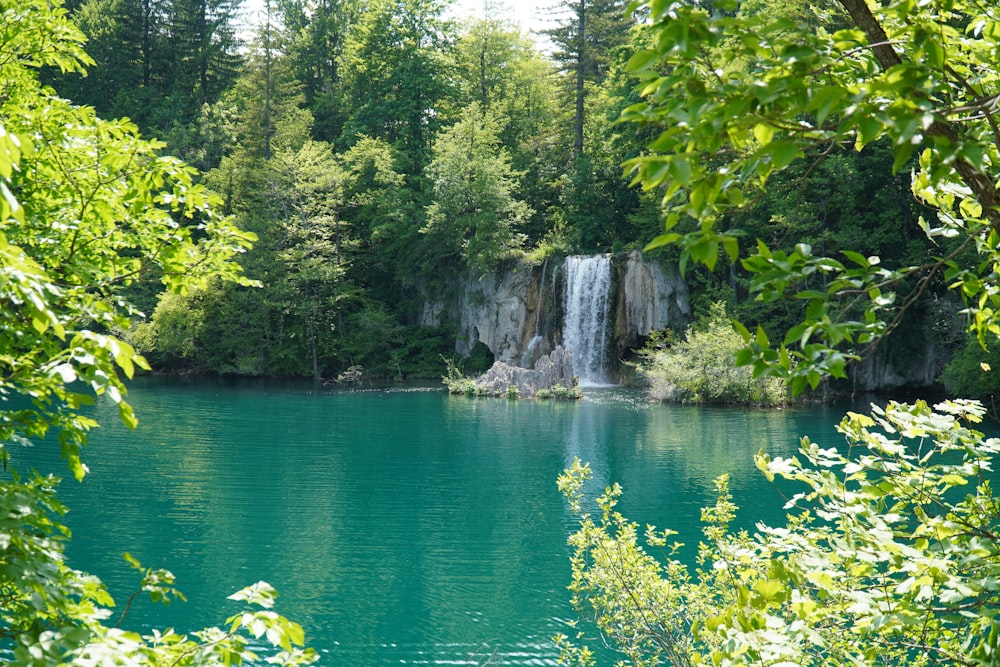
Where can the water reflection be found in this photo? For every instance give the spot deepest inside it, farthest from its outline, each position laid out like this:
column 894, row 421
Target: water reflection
column 399, row 526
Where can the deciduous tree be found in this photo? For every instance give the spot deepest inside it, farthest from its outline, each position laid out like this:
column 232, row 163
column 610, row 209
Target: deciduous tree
column 87, row 207
column 394, row 72
column 475, row 215
column 739, row 97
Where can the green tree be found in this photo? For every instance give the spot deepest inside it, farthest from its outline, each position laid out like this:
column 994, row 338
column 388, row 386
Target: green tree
column 86, row 208
column 584, row 42
column 204, row 50
column 318, row 245
column 315, row 31
column 888, row 557
column 501, row 69
column 128, row 41
column 740, row 97
column 394, row 73
column 475, row 215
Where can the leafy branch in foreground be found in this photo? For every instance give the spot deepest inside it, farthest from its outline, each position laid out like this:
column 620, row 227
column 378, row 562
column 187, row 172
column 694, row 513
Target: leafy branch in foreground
column 890, row 556
column 741, row 93
column 87, row 207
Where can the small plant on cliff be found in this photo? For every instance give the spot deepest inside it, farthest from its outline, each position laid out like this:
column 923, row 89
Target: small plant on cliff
column 701, row 368
column 458, row 383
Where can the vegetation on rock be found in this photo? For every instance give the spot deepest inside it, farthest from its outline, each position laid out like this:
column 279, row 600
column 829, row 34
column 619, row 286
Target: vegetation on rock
column 701, row 367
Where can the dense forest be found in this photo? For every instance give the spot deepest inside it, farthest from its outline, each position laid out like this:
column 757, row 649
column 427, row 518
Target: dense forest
column 378, row 150
column 828, row 174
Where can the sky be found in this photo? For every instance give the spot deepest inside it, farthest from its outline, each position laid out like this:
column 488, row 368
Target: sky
column 531, row 15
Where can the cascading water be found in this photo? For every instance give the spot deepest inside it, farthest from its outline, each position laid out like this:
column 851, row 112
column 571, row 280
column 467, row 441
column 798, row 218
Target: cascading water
column 585, row 329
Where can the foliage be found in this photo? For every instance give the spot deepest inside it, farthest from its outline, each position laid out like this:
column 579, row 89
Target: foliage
column 701, row 367
column 560, row 392
column 583, row 41
column 172, row 335
column 757, row 90
column 314, row 31
column 318, row 242
column 475, row 216
column 458, row 383
column 392, row 70
column 971, row 371
column 87, row 208
column 499, row 67
column 157, row 61
column 890, row 557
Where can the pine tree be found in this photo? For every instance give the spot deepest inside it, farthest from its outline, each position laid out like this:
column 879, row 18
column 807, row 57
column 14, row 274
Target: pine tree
column 203, row 51
column 584, row 42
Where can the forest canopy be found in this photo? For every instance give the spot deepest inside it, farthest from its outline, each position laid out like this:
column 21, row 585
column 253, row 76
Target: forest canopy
column 382, row 150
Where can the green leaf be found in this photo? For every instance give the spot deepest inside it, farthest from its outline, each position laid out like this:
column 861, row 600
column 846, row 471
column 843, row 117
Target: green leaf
column 662, row 240
column 761, row 338
column 783, row 153
column 869, row 129
column 763, row 133
column 742, row 331
column 903, row 152
column 934, row 53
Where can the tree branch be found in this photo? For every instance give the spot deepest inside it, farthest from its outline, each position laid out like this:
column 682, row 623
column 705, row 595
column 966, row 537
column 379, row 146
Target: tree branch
column 982, row 186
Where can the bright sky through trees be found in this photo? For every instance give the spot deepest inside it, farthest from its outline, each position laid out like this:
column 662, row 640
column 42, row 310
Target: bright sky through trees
column 532, row 15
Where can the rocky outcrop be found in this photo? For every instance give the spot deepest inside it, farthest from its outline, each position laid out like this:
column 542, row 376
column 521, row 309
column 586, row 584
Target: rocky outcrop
column 648, row 298
column 887, row 368
column 519, row 312
column 553, row 370
column 501, row 309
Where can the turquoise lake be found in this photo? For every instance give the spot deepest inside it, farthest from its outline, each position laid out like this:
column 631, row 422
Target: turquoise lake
column 401, row 525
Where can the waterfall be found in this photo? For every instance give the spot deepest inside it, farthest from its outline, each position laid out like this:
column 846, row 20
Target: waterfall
column 585, row 329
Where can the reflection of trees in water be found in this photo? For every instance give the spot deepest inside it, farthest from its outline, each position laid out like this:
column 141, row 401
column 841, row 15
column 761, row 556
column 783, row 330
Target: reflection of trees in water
column 666, row 457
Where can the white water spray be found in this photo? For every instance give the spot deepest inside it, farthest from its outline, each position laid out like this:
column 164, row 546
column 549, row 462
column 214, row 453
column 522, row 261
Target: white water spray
column 585, row 329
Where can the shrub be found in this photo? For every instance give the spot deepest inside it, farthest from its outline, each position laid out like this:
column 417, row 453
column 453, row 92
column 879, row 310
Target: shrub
column 971, row 371
column 701, row 368
column 889, row 556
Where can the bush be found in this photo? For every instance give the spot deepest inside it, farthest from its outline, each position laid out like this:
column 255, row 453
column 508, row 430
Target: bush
column 560, row 392
column 701, row 368
column 971, row 371
column 889, row 557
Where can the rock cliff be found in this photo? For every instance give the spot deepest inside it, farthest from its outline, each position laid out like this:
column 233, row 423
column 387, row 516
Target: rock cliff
column 648, row 298
column 887, row 369
column 519, row 312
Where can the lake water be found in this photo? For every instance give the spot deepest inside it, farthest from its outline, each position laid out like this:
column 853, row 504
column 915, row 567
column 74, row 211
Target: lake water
column 400, row 526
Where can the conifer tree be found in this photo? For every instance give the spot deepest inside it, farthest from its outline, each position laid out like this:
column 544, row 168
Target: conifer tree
column 584, row 41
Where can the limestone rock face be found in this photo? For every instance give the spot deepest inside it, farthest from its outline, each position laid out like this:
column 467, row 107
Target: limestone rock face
column 501, row 311
column 555, row 368
column 648, row 298
column 519, row 312
column 884, row 371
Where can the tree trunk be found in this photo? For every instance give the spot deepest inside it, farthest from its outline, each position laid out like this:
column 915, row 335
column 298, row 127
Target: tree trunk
column 580, row 66
column 981, row 184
